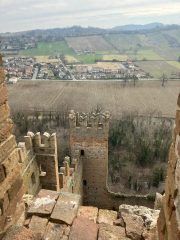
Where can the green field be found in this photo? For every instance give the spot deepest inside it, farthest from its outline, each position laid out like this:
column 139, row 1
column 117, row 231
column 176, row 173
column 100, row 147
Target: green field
column 89, row 58
column 61, row 47
column 47, row 49
column 162, row 47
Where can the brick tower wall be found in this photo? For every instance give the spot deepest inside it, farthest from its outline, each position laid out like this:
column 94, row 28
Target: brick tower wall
column 89, row 140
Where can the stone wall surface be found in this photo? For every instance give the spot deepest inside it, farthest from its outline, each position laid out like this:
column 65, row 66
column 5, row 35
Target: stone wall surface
column 169, row 219
column 11, row 182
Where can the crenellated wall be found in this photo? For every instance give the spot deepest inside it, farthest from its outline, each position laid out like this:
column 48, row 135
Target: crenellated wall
column 70, row 176
column 11, row 182
column 42, row 150
column 169, row 219
column 89, row 139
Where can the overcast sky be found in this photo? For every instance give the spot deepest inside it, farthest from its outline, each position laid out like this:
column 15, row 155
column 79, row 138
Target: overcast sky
column 18, row 15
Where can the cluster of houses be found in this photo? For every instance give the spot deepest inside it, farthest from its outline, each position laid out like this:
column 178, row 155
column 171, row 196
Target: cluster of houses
column 18, row 68
column 22, row 68
column 51, row 71
column 11, row 45
column 107, row 70
column 25, row 68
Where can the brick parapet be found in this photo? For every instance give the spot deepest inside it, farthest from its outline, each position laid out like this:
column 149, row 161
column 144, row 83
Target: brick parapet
column 70, row 175
column 169, row 219
column 90, row 121
column 44, row 147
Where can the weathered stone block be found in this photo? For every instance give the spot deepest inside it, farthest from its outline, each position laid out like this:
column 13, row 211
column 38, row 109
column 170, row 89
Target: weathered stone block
column 3, row 94
column 15, row 203
column 9, row 181
column 11, row 161
column 16, row 185
column 2, row 173
column 161, row 224
column 38, row 225
column 178, row 101
column 149, row 215
column 6, row 129
column 55, row 231
column 5, row 203
column 18, row 232
column 107, row 216
column 134, row 226
column 177, row 122
column 2, row 75
column 43, row 204
column 7, row 147
column 82, row 229
column 107, row 232
column 4, row 112
column 66, row 208
column 88, row 212
column 151, row 234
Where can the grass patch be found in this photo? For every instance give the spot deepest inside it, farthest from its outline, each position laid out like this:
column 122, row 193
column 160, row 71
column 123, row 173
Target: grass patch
column 47, row 49
column 89, row 58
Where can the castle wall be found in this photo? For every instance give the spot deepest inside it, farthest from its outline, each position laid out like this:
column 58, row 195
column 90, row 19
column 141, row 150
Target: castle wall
column 45, row 150
column 70, row 176
column 30, row 169
column 11, row 182
column 169, row 219
column 89, row 138
column 89, row 143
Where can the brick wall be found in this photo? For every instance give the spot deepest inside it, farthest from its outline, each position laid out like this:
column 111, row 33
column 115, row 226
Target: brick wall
column 169, row 219
column 89, row 139
column 44, row 148
column 11, row 183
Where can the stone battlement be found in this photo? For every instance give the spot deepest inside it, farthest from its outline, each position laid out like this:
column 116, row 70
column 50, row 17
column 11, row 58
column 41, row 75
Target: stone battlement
column 70, row 175
column 41, row 143
column 89, row 120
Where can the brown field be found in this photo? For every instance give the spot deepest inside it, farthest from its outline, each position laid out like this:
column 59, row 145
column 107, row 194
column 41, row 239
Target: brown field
column 91, row 43
column 85, row 96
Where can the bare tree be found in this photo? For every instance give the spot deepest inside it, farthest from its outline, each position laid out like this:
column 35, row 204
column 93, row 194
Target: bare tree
column 163, row 79
column 135, row 79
